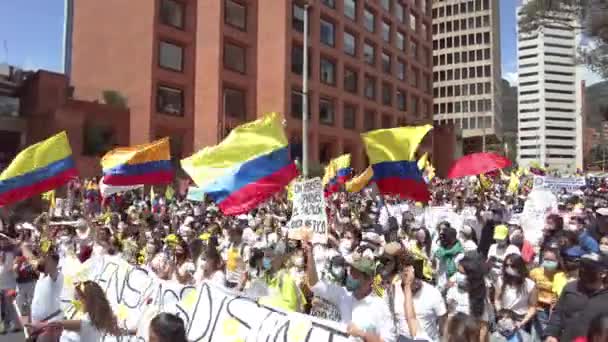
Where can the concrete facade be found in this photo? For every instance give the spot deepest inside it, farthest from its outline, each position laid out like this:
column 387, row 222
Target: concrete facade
column 467, row 69
column 221, row 89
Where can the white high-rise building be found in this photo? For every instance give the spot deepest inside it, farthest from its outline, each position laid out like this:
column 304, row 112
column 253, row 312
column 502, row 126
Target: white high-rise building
column 550, row 97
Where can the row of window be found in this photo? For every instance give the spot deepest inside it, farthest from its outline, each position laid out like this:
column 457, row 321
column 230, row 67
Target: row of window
column 548, row 99
column 534, row 147
column 462, row 8
column 462, row 73
column 399, row 11
column 473, row 106
column 470, row 123
column 462, row 24
column 464, row 40
column 350, row 112
column 553, row 156
column 547, row 54
column 467, row 89
column 328, row 72
column 552, row 128
column 561, row 46
column 462, row 57
column 548, row 118
column 547, row 91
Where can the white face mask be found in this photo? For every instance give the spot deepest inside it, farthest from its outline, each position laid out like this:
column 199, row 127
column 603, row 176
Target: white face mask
column 604, row 249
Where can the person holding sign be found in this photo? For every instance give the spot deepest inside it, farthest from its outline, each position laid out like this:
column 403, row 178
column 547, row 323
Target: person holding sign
column 367, row 315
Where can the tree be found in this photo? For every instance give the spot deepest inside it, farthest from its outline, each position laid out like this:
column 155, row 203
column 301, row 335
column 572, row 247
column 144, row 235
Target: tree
column 590, row 16
column 114, row 98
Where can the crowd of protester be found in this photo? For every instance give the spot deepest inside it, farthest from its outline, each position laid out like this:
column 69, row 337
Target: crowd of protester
column 385, row 272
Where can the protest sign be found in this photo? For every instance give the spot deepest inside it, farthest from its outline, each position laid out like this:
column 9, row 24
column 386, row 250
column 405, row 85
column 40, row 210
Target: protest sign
column 557, row 184
column 209, row 313
column 309, row 210
column 195, row 194
column 532, row 220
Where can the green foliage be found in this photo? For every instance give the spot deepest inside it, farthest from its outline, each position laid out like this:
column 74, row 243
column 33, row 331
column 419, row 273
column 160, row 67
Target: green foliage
column 114, row 98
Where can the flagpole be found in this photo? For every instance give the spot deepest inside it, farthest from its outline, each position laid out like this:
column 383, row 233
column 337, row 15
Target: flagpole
column 305, row 96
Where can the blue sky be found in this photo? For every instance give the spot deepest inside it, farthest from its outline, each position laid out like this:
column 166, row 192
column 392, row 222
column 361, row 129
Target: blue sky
column 508, row 39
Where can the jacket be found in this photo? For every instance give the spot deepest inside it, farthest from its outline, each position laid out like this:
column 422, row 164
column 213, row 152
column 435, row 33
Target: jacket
column 573, row 312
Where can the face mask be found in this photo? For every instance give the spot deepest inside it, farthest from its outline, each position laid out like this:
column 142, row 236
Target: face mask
column 461, row 279
column 352, row 284
column 512, row 272
column 604, row 249
column 550, row 265
column 506, row 327
column 266, row 263
column 338, row 272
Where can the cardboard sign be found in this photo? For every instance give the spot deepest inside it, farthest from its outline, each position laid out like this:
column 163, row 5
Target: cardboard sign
column 309, row 211
column 209, row 313
column 557, row 184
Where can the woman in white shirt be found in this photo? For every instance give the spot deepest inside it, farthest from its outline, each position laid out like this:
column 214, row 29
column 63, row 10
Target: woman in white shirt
column 515, row 291
column 97, row 318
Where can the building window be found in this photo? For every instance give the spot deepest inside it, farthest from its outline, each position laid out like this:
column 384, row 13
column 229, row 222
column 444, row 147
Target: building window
column 400, row 41
column 350, row 44
column 414, row 49
column 386, row 31
column 350, row 9
column 369, row 53
column 369, row 120
column 413, row 20
column 171, row 56
column 351, row 79
column 235, row 14
column 401, row 70
column 350, row 116
column 327, row 33
column 387, row 94
column 297, row 60
column 328, row 71
column 172, row 13
column 235, row 104
column 296, row 104
column 297, row 20
column 326, row 111
column 386, row 62
column 369, row 20
column 170, row 100
column 415, row 105
column 399, row 12
column 401, row 100
column 234, row 57
column 386, row 5
column 370, row 87
column 329, row 3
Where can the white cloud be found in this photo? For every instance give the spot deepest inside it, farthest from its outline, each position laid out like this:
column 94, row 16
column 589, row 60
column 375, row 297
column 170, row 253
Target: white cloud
column 511, row 77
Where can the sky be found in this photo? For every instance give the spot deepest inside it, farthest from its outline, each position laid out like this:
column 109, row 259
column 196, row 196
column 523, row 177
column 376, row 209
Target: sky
column 31, row 36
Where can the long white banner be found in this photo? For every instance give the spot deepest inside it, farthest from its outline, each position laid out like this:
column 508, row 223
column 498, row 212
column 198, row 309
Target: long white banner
column 210, row 313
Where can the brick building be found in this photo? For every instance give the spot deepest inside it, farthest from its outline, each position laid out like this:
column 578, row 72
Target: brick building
column 42, row 105
column 194, row 69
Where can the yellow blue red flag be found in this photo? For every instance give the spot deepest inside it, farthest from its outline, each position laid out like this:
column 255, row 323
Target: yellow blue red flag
column 245, row 169
column 140, row 164
column 39, row 168
column 337, row 172
column 391, row 153
column 358, row 183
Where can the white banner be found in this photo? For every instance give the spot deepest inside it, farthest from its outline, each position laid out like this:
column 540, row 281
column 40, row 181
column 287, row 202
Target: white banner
column 309, row 209
column 537, row 206
column 556, row 184
column 209, row 313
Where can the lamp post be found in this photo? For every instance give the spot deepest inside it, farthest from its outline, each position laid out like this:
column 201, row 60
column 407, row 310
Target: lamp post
column 305, row 96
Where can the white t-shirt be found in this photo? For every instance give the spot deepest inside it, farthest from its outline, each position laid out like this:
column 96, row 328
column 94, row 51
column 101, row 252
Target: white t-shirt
column 500, row 254
column 515, row 299
column 371, row 314
column 8, row 279
column 87, row 333
column 428, row 305
column 218, row 278
column 46, row 299
column 457, row 299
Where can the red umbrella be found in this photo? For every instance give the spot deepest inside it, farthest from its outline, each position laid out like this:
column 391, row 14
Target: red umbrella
column 478, row 163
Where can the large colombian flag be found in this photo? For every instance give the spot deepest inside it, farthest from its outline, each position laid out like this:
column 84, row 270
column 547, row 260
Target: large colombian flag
column 337, row 172
column 39, row 168
column 391, row 153
column 140, row 164
column 245, row 169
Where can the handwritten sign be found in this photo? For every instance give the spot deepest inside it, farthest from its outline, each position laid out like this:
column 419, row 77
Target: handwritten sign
column 209, row 313
column 309, row 209
column 539, row 203
column 557, row 184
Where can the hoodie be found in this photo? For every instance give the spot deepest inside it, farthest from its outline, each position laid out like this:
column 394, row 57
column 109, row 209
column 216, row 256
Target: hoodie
column 574, row 310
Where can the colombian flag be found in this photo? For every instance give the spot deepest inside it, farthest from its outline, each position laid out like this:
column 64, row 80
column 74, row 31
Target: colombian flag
column 41, row 167
column 337, row 172
column 358, row 183
column 391, row 153
column 245, row 169
column 140, row 164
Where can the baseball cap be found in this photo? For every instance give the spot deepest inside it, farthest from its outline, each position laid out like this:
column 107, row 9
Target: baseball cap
column 364, row 265
column 574, row 252
column 501, row 232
